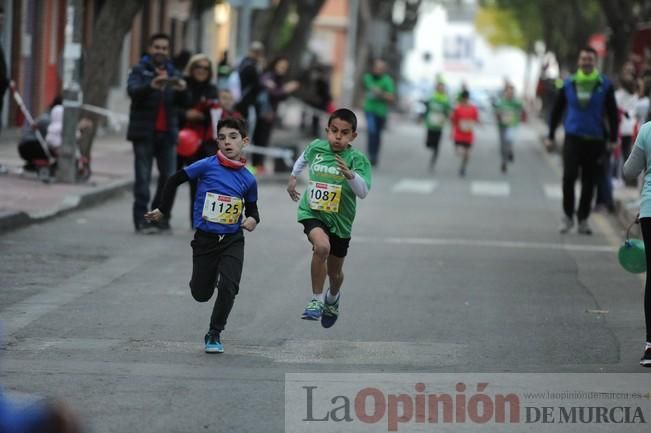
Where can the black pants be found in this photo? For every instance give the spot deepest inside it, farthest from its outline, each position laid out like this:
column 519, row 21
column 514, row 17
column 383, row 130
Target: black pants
column 627, row 144
column 212, row 256
column 645, row 223
column 583, row 154
column 261, row 137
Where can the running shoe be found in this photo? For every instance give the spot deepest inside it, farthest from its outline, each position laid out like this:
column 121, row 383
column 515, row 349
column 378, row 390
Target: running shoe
column 584, row 228
column 313, row 310
column 213, row 343
column 646, row 358
column 566, row 225
column 330, row 314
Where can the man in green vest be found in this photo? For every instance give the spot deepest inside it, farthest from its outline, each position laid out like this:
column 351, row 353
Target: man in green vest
column 380, row 91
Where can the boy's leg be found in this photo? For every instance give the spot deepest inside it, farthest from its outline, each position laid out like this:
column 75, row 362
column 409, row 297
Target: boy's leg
column 339, row 249
column 320, row 240
column 335, row 273
column 321, row 250
column 206, row 253
column 230, row 273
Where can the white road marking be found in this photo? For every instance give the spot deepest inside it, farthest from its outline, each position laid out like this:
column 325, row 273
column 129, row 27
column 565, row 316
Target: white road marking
column 491, row 189
column 415, row 186
column 491, row 244
column 290, row 351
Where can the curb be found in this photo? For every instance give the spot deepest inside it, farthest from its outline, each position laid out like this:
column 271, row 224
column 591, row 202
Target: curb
column 13, row 220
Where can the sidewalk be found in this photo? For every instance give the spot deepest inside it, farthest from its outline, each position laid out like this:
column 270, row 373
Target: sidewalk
column 25, row 200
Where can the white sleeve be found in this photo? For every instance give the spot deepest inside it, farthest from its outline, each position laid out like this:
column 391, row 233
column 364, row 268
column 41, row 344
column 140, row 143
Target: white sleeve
column 358, row 185
column 299, row 165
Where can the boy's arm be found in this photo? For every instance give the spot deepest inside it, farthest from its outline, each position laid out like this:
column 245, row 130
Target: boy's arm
column 298, row 168
column 354, row 179
column 168, row 196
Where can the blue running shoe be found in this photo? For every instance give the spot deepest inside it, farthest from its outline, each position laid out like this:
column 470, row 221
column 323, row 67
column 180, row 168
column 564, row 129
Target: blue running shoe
column 212, row 343
column 330, row 314
column 313, row 310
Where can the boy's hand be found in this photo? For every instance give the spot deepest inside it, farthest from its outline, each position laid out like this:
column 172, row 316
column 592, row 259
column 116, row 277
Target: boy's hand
column 341, row 164
column 249, row 224
column 155, row 215
column 291, row 189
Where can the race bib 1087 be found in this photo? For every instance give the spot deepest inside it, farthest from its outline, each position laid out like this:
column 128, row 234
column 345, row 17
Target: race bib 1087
column 324, row 196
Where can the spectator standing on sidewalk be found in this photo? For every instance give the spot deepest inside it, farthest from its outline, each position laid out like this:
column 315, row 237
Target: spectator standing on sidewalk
column 636, row 164
column 380, row 92
column 275, row 89
column 249, row 75
column 588, row 97
column 627, row 97
column 156, row 90
column 224, row 71
column 201, row 94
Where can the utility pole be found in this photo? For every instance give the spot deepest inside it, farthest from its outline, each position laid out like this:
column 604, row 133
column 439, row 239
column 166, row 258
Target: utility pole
column 66, row 164
column 351, row 46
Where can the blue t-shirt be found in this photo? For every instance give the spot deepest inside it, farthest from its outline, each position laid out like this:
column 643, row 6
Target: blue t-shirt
column 221, row 194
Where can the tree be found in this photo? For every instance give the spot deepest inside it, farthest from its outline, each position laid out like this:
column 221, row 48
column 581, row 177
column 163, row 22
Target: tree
column 113, row 22
column 623, row 18
column 564, row 25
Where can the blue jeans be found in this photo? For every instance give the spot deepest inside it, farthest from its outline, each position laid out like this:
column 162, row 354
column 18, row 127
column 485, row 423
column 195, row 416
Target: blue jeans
column 163, row 148
column 374, row 125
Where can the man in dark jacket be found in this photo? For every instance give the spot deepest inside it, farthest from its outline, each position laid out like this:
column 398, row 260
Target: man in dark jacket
column 156, row 89
column 589, row 98
column 249, row 73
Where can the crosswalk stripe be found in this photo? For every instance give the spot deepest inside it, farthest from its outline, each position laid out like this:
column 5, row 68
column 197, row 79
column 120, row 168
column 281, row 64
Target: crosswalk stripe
column 553, row 191
column 493, row 189
column 415, row 186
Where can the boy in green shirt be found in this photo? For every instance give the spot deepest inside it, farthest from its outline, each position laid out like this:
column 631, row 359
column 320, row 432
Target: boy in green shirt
column 437, row 112
column 509, row 112
column 338, row 174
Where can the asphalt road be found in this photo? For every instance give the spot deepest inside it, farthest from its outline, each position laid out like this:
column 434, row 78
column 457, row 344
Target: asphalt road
column 444, row 275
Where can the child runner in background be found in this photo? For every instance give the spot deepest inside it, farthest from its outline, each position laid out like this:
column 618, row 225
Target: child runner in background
column 437, row 112
column 464, row 118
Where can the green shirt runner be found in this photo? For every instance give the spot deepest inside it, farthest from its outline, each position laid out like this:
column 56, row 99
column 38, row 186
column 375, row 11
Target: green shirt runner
column 373, row 103
column 438, row 110
column 328, row 187
column 509, row 112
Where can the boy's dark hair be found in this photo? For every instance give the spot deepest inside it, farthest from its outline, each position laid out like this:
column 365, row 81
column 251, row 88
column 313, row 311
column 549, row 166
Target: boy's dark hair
column 346, row 115
column 589, row 49
column 233, row 123
column 464, row 94
column 157, row 36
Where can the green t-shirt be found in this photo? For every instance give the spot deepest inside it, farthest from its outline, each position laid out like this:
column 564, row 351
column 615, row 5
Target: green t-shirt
column 438, row 110
column 509, row 112
column 328, row 197
column 373, row 103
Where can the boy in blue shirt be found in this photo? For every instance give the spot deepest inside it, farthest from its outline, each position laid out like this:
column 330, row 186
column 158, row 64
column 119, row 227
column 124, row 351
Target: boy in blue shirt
column 225, row 189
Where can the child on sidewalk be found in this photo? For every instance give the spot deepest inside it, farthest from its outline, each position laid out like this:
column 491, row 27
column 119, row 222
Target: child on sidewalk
column 225, row 189
column 339, row 174
column 464, row 117
column 437, row 112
